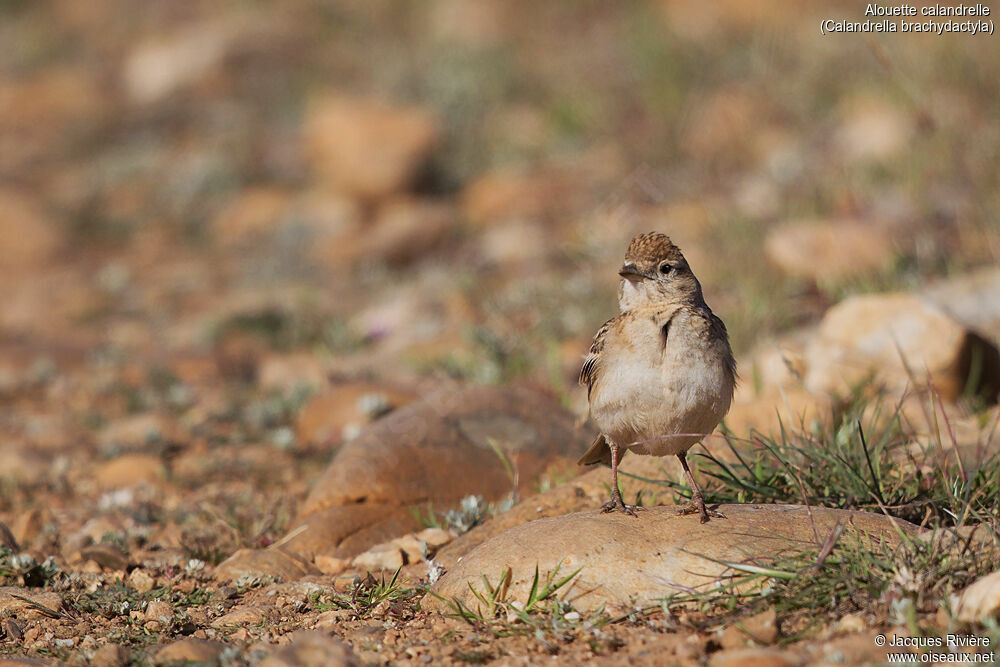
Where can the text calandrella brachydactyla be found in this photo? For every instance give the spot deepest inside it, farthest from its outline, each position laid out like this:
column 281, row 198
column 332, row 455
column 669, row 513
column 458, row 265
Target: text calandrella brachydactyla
column 929, row 25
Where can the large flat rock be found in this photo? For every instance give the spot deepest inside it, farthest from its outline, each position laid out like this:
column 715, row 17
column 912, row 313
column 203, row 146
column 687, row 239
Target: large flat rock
column 435, row 451
column 586, row 492
column 626, row 561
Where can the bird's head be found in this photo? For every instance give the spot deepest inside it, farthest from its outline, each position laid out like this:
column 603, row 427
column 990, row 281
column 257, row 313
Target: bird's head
column 654, row 273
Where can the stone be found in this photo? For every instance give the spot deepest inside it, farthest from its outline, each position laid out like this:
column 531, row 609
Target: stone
column 972, row 300
column 872, row 130
column 133, row 431
column 26, row 467
column 290, row 372
column 501, row 196
column 774, row 366
column 793, row 409
column 42, row 110
column 160, row 611
column 830, row 252
column 755, row 657
column 106, row 555
column 477, row 26
column 341, row 412
column 413, row 549
column 27, row 526
column 380, row 557
column 14, row 606
column 190, row 650
column 626, row 562
column 759, row 629
column 875, row 334
column 850, row 624
column 435, row 537
column 341, row 532
column 272, row 561
column 312, row 648
column 130, row 469
column 331, row 565
column 29, row 237
column 437, row 450
column 852, row 649
column 92, row 531
column 979, row 601
column 333, row 618
column 110, row 655
column 588, row 491
column 141, row 580
column 250, row 615
column 367, row 148
column 157, row 68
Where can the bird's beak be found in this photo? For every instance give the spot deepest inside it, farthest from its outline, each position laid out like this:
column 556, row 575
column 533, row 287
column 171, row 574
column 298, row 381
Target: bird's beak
column 630, row 272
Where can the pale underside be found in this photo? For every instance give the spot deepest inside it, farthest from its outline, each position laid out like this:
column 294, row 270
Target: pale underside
column 660, row 382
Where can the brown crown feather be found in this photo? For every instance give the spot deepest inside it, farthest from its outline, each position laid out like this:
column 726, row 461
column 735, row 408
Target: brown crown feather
column 651, row 247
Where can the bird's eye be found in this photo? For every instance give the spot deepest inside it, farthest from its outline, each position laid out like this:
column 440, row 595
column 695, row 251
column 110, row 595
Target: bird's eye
column 665, row 268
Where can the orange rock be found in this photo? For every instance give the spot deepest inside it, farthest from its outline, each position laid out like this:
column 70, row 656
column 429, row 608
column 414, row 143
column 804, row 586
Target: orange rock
column 902, row 341
column 331, row 565
column 156, row 69
column 346, row 409
column 190, row 650
column 792, row 408
column 367, row 148
column 437, row 450
column 129, row 470
column 433, row 449
column 271, row 561
column 135, row 430
column 312, row 647
column 380, row 557
column 29, row 236
column 290, row 371
column 499, row 196
column 872, row 129
column 625, row 562
column 829, row 251
column 979, row 601
column 755, row 657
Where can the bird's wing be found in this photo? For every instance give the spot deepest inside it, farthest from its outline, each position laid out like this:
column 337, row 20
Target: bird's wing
column 599, row 452
column 592, row 363
column 718, row 330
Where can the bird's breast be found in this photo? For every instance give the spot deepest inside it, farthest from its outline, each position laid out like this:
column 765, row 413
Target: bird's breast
column 655, row 383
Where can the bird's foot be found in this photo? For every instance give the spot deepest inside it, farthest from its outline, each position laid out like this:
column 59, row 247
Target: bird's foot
column 697, row 506
column 616, row 503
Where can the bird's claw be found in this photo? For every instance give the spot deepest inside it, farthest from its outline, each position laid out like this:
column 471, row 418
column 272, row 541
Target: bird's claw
column 616, row 503
column 697, row 506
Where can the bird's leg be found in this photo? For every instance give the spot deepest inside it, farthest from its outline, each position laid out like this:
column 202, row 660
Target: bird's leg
column 697, row 503
column 616, row 502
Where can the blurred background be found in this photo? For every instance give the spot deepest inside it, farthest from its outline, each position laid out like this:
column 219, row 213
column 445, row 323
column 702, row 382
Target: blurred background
column 450, row 185
column 208, row 210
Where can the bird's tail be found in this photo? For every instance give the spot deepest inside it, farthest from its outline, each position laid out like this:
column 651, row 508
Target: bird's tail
column 599, row 452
